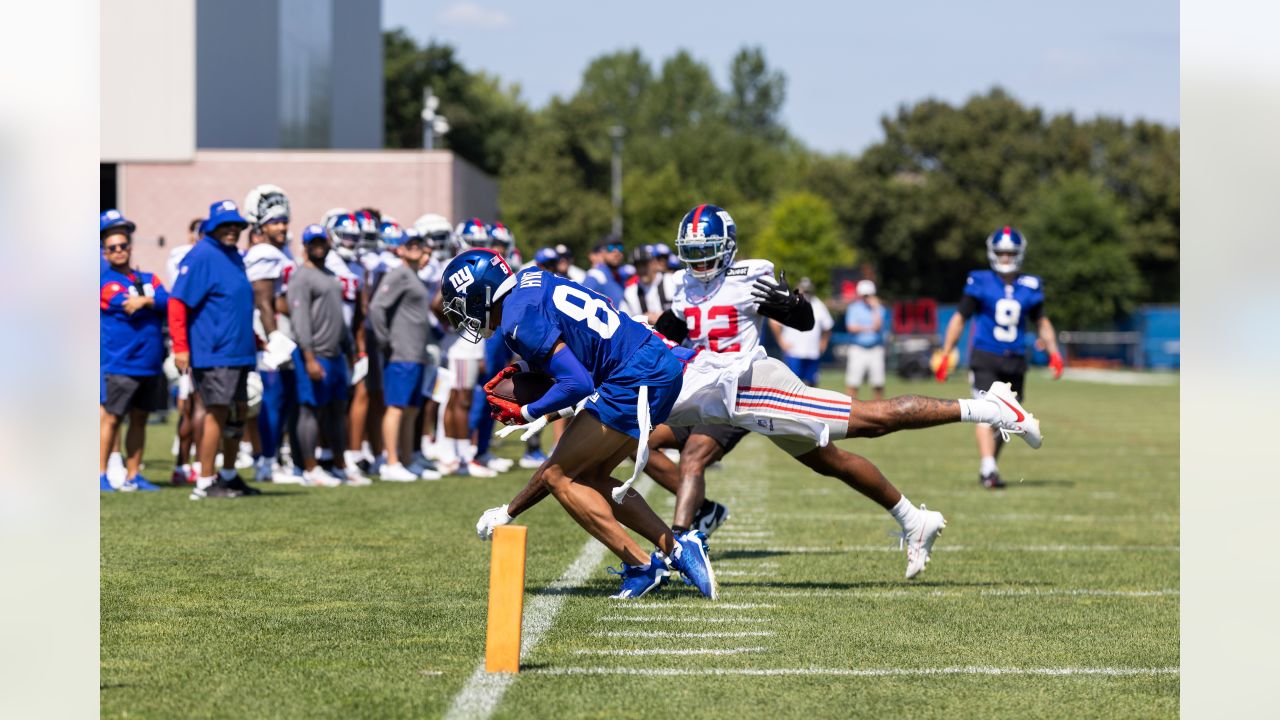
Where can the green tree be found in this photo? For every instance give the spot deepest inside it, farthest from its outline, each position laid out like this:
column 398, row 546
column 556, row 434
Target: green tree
column 1077, row 241
column 756, row 94
column 802, row 239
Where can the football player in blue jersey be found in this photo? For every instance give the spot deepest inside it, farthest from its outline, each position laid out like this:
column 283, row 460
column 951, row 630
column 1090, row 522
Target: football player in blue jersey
column 626, row 379
column 1003, row 299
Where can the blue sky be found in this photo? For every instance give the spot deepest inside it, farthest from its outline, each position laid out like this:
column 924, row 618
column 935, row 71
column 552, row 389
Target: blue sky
column 846, row 64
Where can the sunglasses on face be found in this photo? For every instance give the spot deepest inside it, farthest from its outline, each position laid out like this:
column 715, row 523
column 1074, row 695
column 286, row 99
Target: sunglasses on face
column 117, row 248
column 612, row 248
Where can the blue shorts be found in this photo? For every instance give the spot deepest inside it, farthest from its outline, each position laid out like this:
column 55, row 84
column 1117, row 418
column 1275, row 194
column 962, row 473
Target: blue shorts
column 614, row 402
column 402, row 384
column 805, row 368
column 331, row 388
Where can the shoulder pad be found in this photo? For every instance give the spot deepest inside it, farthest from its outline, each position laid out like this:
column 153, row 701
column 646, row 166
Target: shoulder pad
column 1030, row 281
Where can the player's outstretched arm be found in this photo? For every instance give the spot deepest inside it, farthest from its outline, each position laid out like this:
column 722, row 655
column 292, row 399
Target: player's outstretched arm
column 779, row 302
column 1050, row 339
column 955, row 326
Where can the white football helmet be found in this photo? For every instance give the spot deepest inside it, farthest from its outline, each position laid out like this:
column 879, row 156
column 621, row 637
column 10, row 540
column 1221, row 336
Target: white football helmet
column 438, row 233
column 264, row 204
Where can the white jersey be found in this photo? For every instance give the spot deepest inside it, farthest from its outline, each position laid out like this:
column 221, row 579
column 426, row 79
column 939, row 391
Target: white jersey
column 655, row 298
column 175, row 257
column 265, row 261
column 577, row 274
column 350, row 281
column 722, row 315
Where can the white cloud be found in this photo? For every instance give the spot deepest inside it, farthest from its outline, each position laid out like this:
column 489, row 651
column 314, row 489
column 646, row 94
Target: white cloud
column 474, row 17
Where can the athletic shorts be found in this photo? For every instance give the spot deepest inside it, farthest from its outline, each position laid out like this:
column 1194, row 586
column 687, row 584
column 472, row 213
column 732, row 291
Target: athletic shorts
column 805, row 368
column 333, row 387
column 726, row 436
column 866, row 364
column 986, row 368
column 134, row 392
column 402, row 384
column 757, row 393
column 222, row 385
column 615, row 403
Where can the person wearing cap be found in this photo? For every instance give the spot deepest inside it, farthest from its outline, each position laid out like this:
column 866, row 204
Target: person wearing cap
column 547, row 259
column 315, row 299
column 566, row 268
column 211, row 324
column 802, row 350
column 398, row 314
column 864, row 318
column 132, row 307
column 606, row 276
column 650, row 290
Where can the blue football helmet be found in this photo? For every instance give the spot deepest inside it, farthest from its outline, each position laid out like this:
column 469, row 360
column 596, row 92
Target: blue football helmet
column 473, row 282
column 390, row 233
column 502, row 240
column 370, row 223
column 707, row 241
column 473, row 234
column 1006, row 240
column 345, row 230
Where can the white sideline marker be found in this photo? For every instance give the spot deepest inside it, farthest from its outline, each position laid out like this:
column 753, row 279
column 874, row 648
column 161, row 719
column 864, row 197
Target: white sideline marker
column 954, row 548
column 1008, row 592
column 682, row 635
column 694, row 606
column 480, row 696
column 859, row 672
column 675, row 651
column 665, row 619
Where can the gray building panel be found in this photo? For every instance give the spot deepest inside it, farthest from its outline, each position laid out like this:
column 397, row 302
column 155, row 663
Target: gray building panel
column 356, row 118
column 237, row 74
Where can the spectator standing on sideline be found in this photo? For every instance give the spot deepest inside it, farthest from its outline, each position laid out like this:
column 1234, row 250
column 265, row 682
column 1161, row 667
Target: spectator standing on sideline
column 865, row 320
column 606, row 276
column 650, row 290
column 132, row 306
column 566, row 268
column 802, row 350
column 398, row 313
column 180, row 251
column 320, row 368
column 211, row 323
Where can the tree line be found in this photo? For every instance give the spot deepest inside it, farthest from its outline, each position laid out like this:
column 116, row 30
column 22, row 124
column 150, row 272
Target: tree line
column 1098, row 199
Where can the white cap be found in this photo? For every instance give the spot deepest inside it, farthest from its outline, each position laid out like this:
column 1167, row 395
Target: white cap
column 866, row 287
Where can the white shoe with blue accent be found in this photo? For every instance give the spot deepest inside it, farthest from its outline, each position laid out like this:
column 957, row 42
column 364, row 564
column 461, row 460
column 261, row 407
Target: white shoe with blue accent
column 639, row 581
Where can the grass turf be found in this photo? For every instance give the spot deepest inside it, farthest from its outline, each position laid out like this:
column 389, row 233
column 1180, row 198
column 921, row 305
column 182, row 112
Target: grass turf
column 369, row 602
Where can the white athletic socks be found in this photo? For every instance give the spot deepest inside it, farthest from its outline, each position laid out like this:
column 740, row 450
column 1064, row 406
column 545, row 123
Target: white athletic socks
column 204, row 482
column 905, row 513
column 988, row 466
column 978, row 411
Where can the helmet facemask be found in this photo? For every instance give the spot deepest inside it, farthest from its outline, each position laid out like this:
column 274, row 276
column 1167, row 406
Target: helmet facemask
column 707, row 257
column 1000, row 243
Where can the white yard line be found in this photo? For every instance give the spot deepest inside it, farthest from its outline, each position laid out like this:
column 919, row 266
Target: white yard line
column 669, row 619
column 676, row 651
column 682, row 635
column 977, row 517
column 947, row 548
column 716, row 606
column 922, row 593
column 483, row 691
column 860, row 672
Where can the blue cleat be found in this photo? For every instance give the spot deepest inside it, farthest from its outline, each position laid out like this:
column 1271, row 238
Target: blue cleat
column 638, row 581
column 691, row 561
column 533, row 460
column 141, row 483
column 104, row 484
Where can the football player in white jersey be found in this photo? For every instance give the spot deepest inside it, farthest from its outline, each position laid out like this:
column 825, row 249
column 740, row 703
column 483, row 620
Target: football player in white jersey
column 266, row 262
column 717, row 305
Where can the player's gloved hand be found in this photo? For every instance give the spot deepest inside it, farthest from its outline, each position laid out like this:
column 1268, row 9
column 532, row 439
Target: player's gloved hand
column 944, row 368
column 506, row 372
column 1055, row 364
column 504, row 411
column 492, row 518
column 526, row 431
column 776, row 293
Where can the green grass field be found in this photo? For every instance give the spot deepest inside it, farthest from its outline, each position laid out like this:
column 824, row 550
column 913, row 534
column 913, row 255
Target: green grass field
column 370, row 602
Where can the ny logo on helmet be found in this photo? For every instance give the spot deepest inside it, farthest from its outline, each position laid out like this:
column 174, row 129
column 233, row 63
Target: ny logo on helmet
column 462, row 279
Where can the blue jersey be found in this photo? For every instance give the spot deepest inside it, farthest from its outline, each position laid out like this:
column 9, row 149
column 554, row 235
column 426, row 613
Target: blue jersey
column 1002, row 310
column 545, row 308
column 131, row 344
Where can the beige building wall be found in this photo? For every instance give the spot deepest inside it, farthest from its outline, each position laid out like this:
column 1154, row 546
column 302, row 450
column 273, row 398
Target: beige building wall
column 162, row 198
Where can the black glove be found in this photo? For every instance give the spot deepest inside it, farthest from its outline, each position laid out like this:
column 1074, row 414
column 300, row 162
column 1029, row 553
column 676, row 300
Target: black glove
column 777, row 295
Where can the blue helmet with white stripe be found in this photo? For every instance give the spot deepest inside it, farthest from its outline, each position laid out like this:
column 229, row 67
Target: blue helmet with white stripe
column 1006, row 241
column 707, row 241
column 473, row 282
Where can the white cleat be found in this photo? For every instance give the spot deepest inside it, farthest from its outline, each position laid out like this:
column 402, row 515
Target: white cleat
column 499, row 464
column 1014, row 419
column 919, row 540
column 396, row 473
column 475, row 469
column 355, row 478
column 319, row 478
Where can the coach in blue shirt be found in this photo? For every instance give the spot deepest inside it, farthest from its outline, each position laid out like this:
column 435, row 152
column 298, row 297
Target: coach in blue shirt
column 606, row 276
column 211, row 323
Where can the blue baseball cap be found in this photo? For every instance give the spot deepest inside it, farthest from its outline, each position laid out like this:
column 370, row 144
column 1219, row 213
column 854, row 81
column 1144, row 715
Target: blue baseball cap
column 661, row 249
column 314, row 232
column 545, row 255
column 112, row 219
column 223, row 212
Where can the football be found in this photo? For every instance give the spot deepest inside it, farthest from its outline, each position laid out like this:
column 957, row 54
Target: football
column 523, row 388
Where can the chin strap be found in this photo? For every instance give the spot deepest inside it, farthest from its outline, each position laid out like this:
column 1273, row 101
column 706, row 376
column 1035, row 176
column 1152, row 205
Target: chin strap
column 642, row 447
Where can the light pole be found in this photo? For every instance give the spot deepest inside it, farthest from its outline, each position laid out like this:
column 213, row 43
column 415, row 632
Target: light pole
column 617, row 132
column 432, row 124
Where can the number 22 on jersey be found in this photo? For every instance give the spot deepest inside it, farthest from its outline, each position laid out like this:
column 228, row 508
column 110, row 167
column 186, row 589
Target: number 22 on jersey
column 721, row 323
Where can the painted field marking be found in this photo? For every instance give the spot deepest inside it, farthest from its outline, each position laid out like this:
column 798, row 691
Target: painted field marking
column 480, row 696
column 1000, row 517
column 682, row 635
column 1010, row 592
column 860, row 672
column 676, row 651
column 953, row 548
column 694, row 606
